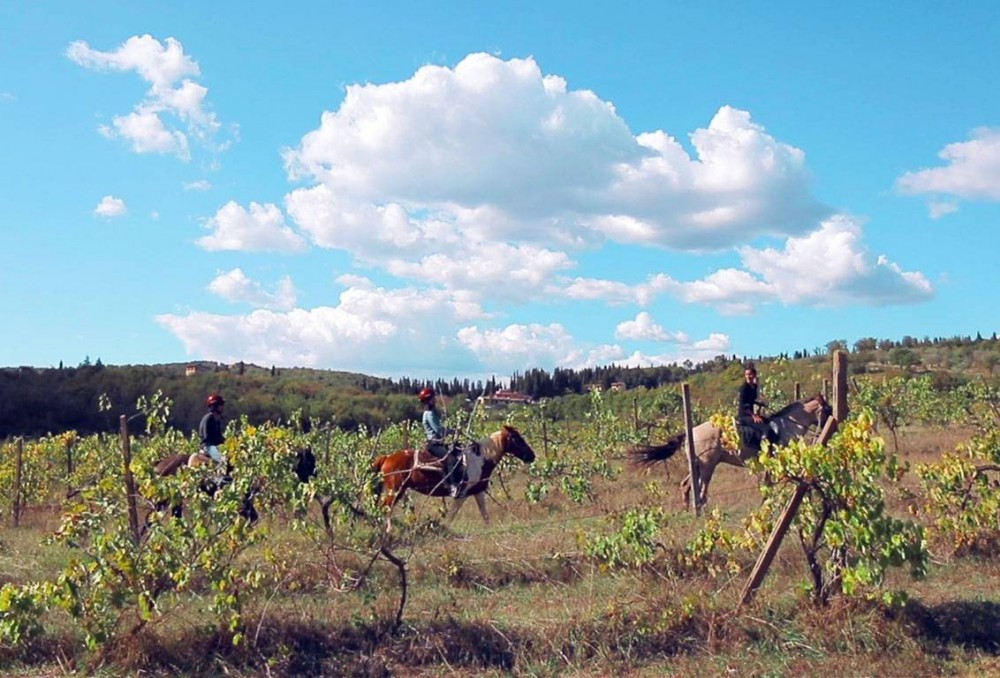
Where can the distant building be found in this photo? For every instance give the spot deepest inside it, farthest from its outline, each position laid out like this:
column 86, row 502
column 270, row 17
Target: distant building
column 618, row 386
column 503, row 396
column 190, row 370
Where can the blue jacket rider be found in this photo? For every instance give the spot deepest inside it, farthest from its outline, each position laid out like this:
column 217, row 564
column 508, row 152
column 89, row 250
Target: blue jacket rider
column 436, row 432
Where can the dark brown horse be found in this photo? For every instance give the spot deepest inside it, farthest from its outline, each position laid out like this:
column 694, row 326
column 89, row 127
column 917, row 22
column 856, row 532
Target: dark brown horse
column 305, row 468
column 407, row 470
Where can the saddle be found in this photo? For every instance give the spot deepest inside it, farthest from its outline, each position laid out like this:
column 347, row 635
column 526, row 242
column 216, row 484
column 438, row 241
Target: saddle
column 459, row 462
column 752, row 435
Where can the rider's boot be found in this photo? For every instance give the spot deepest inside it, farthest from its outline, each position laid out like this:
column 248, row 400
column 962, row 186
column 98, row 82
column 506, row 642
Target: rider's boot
column 454, row 482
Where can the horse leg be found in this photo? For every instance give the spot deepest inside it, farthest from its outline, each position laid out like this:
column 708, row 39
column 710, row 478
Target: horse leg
column 481, row 503
column 705, row 472
column 248, row 510
column 686, row 490
column 455, row 507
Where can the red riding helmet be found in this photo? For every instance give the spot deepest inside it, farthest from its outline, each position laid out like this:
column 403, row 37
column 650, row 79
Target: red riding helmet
column 426, row 393
column 215, row 399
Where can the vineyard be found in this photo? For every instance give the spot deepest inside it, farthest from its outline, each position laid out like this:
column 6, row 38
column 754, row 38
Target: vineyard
column 589, row 566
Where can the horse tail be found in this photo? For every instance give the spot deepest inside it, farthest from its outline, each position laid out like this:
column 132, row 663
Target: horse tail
column 647, row 455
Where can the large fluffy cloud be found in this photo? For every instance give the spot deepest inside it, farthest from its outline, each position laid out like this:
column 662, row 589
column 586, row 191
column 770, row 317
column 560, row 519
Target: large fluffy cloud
column 474, row 191
column 830, row 267
column 174, row 98
column 494, row 150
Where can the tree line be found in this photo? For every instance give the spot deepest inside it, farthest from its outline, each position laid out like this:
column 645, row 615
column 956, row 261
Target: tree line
column 37, row 401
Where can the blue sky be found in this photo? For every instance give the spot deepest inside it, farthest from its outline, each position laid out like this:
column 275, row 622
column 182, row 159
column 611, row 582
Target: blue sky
column 439, row 189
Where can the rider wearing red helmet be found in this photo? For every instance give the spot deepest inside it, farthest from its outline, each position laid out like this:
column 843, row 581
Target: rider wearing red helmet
column 211, row 427
column 436, row 433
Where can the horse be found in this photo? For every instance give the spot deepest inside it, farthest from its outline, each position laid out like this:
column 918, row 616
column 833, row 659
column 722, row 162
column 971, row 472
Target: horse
column 304, row 469
column 790, row 423
column 421, row 472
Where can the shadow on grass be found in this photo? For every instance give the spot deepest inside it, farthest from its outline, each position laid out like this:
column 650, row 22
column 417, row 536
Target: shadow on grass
column 291, row 648
column 970, row 624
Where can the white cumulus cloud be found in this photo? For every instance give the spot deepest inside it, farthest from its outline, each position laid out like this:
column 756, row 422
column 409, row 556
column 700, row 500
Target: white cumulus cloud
column 972, row 169
column 371, row 329
column 235, row 286
column 518, row 345
column 494, row 150
column 174, row 108
column 261, row 228
column 110, row 207
column 644, row 328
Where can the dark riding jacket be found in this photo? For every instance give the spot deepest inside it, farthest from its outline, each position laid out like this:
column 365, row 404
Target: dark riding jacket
column 210, row 430
column 748, row 398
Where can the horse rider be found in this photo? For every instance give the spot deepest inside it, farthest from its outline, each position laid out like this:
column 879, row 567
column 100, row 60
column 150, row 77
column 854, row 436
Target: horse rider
column 747, row 416
column 211, row 427
column 436, row 433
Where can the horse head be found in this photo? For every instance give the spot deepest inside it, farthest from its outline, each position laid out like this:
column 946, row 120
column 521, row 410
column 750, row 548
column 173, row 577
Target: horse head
column 512, row 442
column 796, row 418
column 821, row 408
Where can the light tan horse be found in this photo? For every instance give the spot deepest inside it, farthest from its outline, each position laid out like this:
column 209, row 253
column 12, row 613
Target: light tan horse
column 792, row 422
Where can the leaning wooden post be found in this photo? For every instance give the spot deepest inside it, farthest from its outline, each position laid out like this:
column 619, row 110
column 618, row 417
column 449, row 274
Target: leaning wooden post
column 130, row 492
column 781, row 527
column 692, row 459
column 840, row 385
column 18, row 466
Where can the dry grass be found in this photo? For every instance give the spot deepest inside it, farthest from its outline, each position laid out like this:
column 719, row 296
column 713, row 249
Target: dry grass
column 518, row 597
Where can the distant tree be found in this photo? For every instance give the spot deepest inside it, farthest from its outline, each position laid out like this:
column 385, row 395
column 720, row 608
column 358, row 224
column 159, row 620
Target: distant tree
column 865, row 344
column 836, row 345
column 903, row 357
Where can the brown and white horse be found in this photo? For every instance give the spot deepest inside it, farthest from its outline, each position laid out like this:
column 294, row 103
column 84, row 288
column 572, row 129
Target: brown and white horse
column 400, row 472
column 793, row 421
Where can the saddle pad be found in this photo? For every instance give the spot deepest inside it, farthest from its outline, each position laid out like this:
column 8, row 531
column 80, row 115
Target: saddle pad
column 473, row 460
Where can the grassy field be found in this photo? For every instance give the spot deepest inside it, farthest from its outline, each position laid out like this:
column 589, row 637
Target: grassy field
column 520, row 597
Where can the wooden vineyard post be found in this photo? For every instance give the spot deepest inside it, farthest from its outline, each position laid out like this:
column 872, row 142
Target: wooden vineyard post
column 635, row 414
column 798, row 391
column 692, row 459
column 406, row 434
column 826, row 389
column 130, row 492
column 18, row 467
column 781, row 527
column 840, row 385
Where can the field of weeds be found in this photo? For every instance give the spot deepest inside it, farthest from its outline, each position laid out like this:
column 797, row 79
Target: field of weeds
column 530, row 595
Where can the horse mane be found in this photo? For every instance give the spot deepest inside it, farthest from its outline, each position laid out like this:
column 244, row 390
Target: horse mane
column 797, row 403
